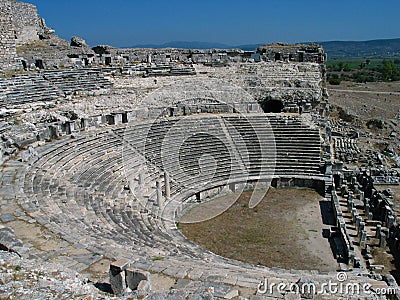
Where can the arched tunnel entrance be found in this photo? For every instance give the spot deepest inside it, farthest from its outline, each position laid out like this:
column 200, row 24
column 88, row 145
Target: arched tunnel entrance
column 272, row 106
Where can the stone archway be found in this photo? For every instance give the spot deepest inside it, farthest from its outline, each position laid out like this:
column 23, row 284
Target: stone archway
column 272, row 106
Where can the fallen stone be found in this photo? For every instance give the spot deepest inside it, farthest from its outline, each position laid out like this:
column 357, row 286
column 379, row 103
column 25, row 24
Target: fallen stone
column 232, row 294
column 78, row 42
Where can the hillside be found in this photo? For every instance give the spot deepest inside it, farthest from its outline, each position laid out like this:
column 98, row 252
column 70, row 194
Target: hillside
column 353, row 49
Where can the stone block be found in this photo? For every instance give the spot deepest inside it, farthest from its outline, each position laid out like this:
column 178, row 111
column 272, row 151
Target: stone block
column 117, row 276
column 135, row 277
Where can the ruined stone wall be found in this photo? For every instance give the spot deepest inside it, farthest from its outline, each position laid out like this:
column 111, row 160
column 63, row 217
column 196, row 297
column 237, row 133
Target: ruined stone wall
column 296, row 52
column 27, row 23
column 7, row 35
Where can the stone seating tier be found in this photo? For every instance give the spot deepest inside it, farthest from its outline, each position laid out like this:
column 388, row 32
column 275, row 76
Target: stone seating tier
column 49, row 85
column 87, row 189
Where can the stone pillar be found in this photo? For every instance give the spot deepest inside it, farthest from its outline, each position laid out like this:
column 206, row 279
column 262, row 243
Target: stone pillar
column 378, row 231
column 367, row 208
column 328, row 168
column 350, row 195
column 390, row 221
column 361, row 228
column 356, row 189
column 117, row 118
column 160, row 200
column 141, row 178
column 354, row 215
column 350, row 203
column 167, row 186
column 353, row 180
column 382, row 240
column 84, row 123
column 53, row 129
column 69, row 127
column 362, row 196
column 363, row 238
column 344, row 190
column 117, row 276
column 396, row 243
column 126, row 117
column 358, row 222
column 340, row 180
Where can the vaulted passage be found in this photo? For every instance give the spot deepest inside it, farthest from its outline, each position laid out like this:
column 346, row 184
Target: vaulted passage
column 272, row 106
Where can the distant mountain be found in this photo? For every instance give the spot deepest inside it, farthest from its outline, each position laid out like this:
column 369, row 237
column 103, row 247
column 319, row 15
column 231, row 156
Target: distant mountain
column 335, row 49
column 353, row 49
column 196, row 45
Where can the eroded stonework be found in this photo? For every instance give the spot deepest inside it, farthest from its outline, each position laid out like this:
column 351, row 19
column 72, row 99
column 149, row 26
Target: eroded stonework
column 90, row 176
column 8, row 50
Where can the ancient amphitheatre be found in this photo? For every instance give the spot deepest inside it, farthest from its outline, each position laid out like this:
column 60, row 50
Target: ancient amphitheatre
column 183, row 174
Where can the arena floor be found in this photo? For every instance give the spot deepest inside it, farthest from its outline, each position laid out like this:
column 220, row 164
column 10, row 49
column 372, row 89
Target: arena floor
column 285, row 230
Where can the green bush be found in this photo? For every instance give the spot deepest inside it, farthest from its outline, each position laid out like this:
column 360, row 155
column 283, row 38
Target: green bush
column 344, row 115
column 334, row 81
column 375, row 124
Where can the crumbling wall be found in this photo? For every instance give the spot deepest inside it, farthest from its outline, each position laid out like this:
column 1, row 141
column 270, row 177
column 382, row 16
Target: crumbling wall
column 296, row 52
column 7, row 33
column 27, row 23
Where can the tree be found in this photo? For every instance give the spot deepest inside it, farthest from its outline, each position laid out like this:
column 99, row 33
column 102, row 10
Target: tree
column 340, row 66
column 334, row 79
column 389, row 70
column 346, row 67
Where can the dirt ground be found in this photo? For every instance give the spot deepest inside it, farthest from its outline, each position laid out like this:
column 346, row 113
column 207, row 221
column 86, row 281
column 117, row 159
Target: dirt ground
column 367, row 100
column 285, row 230
column 374, row 100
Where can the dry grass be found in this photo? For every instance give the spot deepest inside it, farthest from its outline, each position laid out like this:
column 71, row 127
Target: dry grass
column 29, row 47
column 370, row 100
column 273, row 234
column 383, row 257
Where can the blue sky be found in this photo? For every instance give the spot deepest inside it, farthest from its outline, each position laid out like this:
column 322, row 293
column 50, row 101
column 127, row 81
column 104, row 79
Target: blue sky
column 131, row 22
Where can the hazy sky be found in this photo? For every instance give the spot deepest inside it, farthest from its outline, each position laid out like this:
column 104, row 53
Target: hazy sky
column 131, row 22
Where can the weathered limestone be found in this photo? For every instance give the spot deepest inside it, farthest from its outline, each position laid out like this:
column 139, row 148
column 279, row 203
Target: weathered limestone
column 77, row 187
column 138, row 280
column 363, row 236
column 378, row 231
column 78, row 42
column 8, row 240
column 160, row 199
column 299, row 52
column 141, row 178
column 8, row 50
column 29, row 27
column 361, row 227
column 362, row 196
column 123, row 277
column 382, row 240
column 391, row 220
column 118, row 276
column 358, row 222
column 167, row 186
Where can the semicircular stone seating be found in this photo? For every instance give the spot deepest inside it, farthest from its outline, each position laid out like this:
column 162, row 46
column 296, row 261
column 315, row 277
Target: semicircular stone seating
column 49, row 86
column 100, row 190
